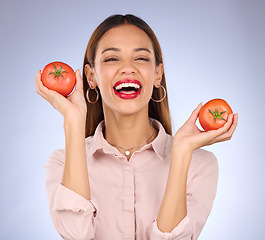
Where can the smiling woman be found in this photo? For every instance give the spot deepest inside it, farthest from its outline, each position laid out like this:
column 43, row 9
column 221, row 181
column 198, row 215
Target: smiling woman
column 158, row 111
column 122, row 175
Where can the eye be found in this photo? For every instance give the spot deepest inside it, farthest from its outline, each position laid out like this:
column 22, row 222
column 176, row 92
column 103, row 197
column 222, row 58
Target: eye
column 143, row 59
column 111, row 59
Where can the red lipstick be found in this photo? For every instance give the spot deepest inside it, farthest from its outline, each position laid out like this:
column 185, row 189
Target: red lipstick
column 123, row 94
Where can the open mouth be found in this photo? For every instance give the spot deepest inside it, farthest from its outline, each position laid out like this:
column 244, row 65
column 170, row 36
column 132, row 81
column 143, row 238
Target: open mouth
column 127, row 89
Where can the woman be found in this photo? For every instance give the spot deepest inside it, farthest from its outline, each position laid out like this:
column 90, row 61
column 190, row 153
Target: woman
column 122, row 175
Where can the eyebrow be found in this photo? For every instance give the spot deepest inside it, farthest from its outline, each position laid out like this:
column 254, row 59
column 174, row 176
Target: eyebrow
column 142, row 49
column 111, row 49
column 118, row 50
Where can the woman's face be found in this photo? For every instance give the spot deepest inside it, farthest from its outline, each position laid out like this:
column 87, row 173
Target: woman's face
column 125, row 69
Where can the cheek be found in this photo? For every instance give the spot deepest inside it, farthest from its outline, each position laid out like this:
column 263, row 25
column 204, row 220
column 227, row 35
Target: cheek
column 104, row 76
column 149, row 74
column 149, row 79
column 104, row 80
column 108, row 71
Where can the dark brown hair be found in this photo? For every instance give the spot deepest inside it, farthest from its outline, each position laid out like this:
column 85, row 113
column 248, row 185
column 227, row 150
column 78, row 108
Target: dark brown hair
column 158, row 111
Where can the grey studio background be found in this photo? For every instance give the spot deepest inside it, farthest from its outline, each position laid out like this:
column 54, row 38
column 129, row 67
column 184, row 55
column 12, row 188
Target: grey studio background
column 211, row 49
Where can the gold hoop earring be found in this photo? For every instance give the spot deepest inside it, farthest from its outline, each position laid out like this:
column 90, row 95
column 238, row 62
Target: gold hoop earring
column 87, row 95
column 165, row 94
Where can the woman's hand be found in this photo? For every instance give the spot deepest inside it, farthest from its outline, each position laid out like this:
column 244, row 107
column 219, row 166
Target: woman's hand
column 190, row 137
column 71, row 106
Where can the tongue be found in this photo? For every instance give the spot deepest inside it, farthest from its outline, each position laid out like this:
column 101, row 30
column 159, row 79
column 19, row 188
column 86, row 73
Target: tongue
column 127, row 92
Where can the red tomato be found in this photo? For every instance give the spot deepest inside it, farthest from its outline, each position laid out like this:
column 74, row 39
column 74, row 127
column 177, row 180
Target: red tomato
column 58, row 76
column 214, row 114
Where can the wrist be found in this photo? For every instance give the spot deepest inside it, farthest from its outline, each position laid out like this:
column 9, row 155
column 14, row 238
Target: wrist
column 74, row 124
column 181, row 147
column 181, row 156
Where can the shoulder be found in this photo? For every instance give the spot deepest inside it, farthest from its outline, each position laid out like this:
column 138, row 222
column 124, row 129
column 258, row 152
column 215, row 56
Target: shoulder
column 56, row 157
column 203, row 162
column 203, row 155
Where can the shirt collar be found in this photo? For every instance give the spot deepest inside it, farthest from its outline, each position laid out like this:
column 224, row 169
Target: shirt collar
column 98, row 142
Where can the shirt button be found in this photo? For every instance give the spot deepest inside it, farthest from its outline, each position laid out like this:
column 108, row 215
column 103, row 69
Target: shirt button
column 95, row 214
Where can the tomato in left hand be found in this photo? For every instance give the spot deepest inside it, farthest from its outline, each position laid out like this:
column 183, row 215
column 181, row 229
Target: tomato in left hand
column 58, row 76
column 214, row 114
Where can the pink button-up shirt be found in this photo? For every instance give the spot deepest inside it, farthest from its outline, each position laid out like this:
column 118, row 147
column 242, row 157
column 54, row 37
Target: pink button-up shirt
column 126, row 195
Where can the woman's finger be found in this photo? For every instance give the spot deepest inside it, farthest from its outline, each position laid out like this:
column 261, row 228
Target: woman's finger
column 40, row 88
column 223, row 129
column 79, row 81
column 227, row 125
column 232, row 129
column 195, row 114
column 51, row 96
column 228, row 135
column 37, row 80
column 226, row 132
column 39, row 85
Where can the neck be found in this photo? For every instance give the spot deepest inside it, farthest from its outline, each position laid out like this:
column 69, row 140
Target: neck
column 129, row 131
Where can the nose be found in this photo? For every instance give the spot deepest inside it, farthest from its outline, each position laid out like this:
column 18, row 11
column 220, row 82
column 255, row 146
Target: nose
column 128, row 67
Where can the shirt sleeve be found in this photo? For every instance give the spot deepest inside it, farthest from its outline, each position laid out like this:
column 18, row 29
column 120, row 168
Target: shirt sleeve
column 201, row 190
column 74, row 216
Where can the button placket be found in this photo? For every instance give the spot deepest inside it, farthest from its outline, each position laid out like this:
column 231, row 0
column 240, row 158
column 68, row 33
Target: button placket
column 128, row 201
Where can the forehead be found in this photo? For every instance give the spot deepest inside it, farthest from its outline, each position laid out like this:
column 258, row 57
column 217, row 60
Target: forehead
column 125, row 36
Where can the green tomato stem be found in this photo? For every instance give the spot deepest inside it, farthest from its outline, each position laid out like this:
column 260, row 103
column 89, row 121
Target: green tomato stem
column 58, row 72
column 217, row 114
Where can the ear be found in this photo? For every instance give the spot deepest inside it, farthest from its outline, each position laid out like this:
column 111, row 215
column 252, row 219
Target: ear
column 159, row 74
column 90, row 76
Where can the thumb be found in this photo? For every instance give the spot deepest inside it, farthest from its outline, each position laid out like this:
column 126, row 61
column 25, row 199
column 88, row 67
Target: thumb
column 79, row 81
column 195, row 114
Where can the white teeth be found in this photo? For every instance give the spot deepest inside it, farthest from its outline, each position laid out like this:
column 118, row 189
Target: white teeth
column 123, row 85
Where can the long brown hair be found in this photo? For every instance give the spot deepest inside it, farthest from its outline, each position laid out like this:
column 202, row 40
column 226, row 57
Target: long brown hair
column 158, row 111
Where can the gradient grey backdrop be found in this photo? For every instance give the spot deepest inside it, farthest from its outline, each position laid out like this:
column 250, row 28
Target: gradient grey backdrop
column 211, row 49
